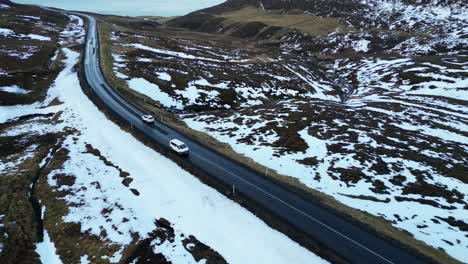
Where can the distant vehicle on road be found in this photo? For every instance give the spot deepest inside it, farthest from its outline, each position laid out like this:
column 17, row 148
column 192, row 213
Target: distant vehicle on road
column 149, row 119
column 179, row 147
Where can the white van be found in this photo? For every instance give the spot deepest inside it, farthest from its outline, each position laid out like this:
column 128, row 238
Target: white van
column 148, row 119
column 179, row 147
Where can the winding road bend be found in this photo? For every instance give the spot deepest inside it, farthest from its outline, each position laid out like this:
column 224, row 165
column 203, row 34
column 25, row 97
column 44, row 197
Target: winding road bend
column 347, row 239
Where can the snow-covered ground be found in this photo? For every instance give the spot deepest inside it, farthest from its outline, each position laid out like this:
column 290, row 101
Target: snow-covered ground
column 30, row 34
column 74, row 32
column 398, row 141
column 202, row 77
column 353, row 162
column 165, row 190
column 11, row 34
column 444, row 76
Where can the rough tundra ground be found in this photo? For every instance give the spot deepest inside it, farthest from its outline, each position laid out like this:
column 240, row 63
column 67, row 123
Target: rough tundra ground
column 71, row 194
column 375, row 115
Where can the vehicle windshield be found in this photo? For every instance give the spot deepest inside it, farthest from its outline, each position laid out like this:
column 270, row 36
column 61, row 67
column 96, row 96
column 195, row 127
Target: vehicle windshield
column 182, row 146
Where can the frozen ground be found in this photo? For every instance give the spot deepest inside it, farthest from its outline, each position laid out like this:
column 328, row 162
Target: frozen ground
column 108, row 209
column 400, row 140
column 375, row 116
column 393, row 143
column 30, row 35
column 185, row 76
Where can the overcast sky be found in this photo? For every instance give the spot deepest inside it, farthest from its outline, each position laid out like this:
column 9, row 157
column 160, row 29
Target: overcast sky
column 129, row 7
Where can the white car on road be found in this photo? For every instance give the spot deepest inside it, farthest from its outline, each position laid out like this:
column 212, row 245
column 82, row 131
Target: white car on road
column 179, row 147
column 147, row 119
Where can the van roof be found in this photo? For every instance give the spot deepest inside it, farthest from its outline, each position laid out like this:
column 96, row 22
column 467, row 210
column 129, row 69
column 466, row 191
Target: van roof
column 177, row 142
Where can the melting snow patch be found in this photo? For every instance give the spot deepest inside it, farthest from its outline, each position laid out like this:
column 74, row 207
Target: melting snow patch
column 193, row 94
column 74, row 31
column 361, row 45
column 164, row 76
column 47, row 251
column 6, row 32
column 204, row 82
column 181, row 55
column 84, row 260
column 144, row 60
column 38, row 37
column 120, row 75
column 152, row 91
column 14, row 89
column 31, row 17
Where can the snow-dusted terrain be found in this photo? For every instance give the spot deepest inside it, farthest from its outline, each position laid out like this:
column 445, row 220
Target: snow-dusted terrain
column 375, row 116
column 99, row 201
column 200, row 78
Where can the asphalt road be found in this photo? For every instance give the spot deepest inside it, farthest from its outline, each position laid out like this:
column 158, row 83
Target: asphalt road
column 351, row 241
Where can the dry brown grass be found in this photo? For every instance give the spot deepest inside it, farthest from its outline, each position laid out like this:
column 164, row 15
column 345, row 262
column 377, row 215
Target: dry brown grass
column 313, row 25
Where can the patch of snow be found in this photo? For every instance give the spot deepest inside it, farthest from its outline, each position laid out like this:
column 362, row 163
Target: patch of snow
column 38, row 37
column 3, row 73
column 318, row 88
column 74, row 32
column 84, row 260
column 171, row 53
column 30, row 17
column 144, row 59
column 4, row 235
column 204, row 82
column 153, row 91
column 460, row 94
column 6, row 32
column 164, row 76
column 14, row 89
column 23, row 55
column 118, row 57
column 361, row 45
column 194, row 95
column 175, row 251
column 443, row 134
column 47, row 251
column 120, row 75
